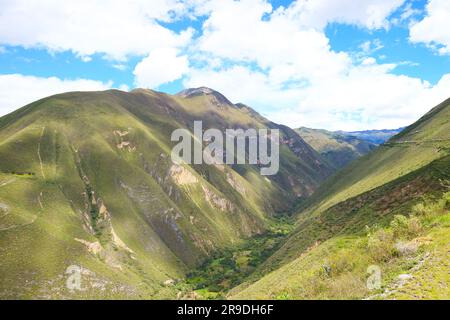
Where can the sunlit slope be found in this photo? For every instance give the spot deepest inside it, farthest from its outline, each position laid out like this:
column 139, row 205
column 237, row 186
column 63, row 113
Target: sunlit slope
column 86, row 179
column 416, row 146
column 402, row 228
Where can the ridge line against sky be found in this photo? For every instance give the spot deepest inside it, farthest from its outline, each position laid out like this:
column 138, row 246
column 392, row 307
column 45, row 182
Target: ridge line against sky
column 332, row 64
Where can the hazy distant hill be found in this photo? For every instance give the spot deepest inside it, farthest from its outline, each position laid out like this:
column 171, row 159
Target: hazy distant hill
column 374, row 136
column 341, row 147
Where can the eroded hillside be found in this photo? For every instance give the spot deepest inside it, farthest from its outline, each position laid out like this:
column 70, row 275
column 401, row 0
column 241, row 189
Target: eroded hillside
column 86, row 180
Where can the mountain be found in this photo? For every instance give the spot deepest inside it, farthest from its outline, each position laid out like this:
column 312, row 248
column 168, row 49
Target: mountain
column 373, row 136
column 379, row 229
column 87, row 184
column 341, row 147
column 338, row 148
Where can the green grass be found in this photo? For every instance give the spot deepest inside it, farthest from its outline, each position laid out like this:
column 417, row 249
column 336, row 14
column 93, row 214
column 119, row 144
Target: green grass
column 69, row 195
column 338, row 267
column 60, row 162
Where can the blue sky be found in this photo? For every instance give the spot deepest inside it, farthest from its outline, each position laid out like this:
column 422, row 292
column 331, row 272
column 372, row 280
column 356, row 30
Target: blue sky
column 334, row 64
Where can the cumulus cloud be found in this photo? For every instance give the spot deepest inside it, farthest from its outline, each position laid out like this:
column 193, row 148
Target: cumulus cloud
column 114, row 28
column 278, row 61
column 371, row 14
column 17, row 90
column 161, row 66
column 281, row 63
column 367, row 96
column 433, row 29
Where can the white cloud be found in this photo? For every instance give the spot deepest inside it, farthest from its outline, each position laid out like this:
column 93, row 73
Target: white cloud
column 298, row 80
column 434, row 29
column 237, row 31
column 17, row 90
column 371, row 14
column 120, row 66
column 161, row 66
column 115, row 28
column 367, row 96
column 279, row 62
column 371, row 46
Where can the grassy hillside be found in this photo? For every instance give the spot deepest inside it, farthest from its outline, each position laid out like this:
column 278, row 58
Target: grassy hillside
column 389, row 209
column 86, row 179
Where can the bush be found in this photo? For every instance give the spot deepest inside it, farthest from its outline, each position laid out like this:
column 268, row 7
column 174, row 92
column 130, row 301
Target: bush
column 381, row 245
column 342, row 261
column 403, row 227
column 433, row 208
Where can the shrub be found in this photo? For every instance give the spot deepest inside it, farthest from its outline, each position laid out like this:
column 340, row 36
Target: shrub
column 283, row 296
column 342, row 261
column 433, row 208
column 381, row 245
column 403, row 227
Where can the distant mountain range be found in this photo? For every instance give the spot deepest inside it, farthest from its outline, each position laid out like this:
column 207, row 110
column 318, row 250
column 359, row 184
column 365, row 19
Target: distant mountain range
column 374, row 136
column 341, row 147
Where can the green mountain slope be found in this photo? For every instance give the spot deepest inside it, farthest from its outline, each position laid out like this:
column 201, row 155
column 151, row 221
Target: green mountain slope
column 86, row 179
column 389, row 209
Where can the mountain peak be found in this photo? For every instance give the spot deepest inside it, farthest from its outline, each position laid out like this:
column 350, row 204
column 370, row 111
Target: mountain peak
column 204, row 91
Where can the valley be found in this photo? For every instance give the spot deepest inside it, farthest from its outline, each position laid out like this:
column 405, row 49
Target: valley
column 87, row 184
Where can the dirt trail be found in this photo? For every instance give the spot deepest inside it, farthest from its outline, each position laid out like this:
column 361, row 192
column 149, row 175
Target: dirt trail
column 5, row 183
column 19, row 226
column 39, row 199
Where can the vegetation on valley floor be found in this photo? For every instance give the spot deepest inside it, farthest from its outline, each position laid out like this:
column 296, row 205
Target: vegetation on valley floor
column 228, row 268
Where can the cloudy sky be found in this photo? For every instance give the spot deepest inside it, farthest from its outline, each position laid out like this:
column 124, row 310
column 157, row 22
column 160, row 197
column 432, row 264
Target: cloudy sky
column 334, row 64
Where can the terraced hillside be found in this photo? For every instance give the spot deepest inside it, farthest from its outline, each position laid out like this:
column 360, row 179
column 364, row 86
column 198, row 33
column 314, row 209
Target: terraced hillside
column 86, row 180
column 389, row 209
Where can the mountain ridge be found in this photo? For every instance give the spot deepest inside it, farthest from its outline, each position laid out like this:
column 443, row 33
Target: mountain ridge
column 88, row 176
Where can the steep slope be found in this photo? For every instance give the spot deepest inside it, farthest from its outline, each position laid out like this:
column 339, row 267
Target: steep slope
column 338, row 148
column 389, row 209
column 86, row 180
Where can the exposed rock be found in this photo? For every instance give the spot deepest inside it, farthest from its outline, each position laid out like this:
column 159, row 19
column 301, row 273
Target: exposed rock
column 403, row 278
column 124, row 143
column 93, row 247
column 406, row 248
column 182, row 176
column 117, row 241
column 216, row 201
column 169, row 282
column 236, row 185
